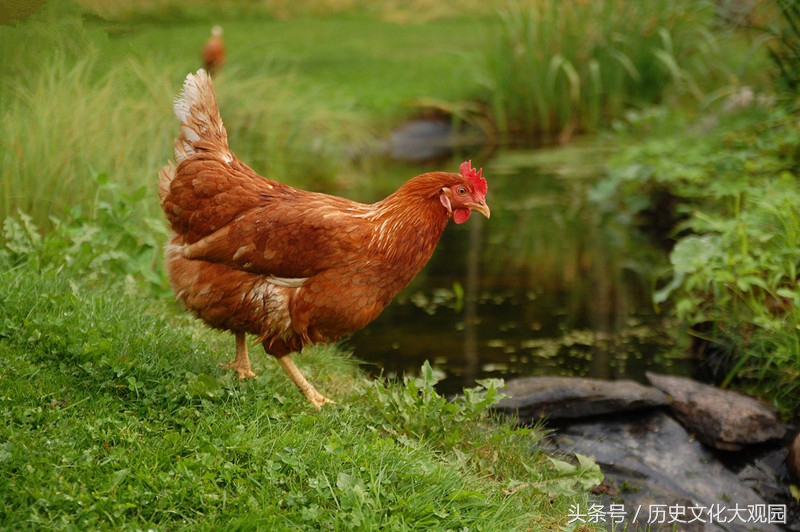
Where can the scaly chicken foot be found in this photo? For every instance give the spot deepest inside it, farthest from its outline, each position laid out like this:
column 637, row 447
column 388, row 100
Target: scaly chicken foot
column 311, row 393
column 242, row 362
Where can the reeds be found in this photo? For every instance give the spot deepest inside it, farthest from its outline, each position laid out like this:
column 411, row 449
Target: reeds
column 555, row 68
column 61, row 126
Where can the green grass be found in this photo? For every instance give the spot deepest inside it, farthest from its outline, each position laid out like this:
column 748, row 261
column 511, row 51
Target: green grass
column 116, row 416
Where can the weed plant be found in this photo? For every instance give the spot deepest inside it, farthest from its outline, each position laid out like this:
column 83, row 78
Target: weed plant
column 734, row 266
column 557, row 68
column 115, row 240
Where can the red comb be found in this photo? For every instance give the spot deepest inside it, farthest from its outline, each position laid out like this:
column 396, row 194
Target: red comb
column 474, row 177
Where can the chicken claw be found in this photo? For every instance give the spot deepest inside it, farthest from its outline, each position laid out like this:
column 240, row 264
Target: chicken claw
column 242, row 366
column 242, row 362
column 311, row 393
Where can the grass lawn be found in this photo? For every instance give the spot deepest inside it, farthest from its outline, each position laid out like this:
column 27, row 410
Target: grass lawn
column 116, row 416
column 379, row 66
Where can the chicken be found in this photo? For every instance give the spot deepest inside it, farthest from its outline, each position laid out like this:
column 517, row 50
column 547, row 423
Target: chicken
column 295, row 268
column 214, row 51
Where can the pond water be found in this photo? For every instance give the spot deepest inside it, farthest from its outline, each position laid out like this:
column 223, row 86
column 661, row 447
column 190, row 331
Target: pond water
column 551, row 285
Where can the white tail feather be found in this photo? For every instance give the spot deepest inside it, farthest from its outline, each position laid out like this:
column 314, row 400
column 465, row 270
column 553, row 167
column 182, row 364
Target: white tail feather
column 201, row 126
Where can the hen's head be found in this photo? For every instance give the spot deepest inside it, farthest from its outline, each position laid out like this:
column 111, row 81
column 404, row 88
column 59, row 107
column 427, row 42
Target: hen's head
column 466, row 195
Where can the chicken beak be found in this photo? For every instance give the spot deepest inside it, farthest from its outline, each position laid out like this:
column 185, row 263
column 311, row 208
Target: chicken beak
column 482, row 208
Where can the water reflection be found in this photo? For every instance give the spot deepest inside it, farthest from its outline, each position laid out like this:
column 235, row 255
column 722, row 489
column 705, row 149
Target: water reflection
column 550, row 285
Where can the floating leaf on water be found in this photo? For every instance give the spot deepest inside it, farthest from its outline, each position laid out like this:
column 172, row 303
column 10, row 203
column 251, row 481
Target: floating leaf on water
column 458, row 292
column 494, row 366
column 579, row 336
column 533, row 343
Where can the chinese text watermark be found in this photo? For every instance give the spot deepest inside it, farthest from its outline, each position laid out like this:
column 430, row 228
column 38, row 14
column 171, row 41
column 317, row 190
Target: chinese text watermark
column 677, row 513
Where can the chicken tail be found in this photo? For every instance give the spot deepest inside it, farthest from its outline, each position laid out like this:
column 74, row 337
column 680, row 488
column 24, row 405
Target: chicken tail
column 201, row 125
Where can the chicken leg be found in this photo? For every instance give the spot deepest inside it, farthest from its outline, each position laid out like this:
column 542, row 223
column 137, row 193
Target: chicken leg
column 242, row 366
column 242, row 362
column 311, row 393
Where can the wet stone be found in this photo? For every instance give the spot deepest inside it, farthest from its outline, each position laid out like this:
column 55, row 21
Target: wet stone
column 793, row 460
column 722, row 419
column 554, row 398
column 661, row 477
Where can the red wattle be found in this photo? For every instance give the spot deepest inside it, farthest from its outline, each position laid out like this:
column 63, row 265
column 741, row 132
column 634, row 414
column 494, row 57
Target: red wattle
column 461, row 215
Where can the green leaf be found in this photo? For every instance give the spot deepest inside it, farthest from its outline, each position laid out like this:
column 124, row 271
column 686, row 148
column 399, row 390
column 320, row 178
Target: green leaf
column 694, row 253
column 203, row 385
column 746, row 282
column 101, row 178
column 117, row 477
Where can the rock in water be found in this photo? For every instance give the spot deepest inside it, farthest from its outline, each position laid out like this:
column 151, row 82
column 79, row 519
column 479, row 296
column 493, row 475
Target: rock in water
column 722, row 419
column 793, row 460
column 533, row 398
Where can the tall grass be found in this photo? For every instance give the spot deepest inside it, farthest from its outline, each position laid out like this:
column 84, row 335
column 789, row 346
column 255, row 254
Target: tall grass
column 61, row 126
column 71, row 114
column 90, row 101
column 785, row 51
column 555, row 68
column 306, row 137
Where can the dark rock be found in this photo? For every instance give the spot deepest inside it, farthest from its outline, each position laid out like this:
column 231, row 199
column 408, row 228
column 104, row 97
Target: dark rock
column 651, row 464
column 765, row 473
column 793, row 459
column 533, row 398
column 420, row 140
column 723, row 419
column 426, row 139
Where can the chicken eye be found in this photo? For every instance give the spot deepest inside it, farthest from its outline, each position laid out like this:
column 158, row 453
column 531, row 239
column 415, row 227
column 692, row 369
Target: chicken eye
column 461, row 190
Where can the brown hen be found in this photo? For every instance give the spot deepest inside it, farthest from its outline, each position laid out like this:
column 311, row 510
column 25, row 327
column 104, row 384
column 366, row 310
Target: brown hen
column 295, row 268
column 214, row 51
